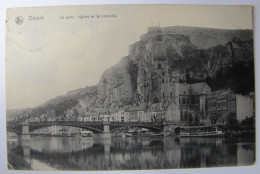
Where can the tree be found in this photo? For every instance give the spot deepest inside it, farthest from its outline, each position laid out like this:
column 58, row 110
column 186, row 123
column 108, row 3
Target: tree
column 248, row 123
column 232, row 124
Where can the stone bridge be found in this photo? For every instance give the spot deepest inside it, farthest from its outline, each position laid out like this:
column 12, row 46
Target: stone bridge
column 26, row 127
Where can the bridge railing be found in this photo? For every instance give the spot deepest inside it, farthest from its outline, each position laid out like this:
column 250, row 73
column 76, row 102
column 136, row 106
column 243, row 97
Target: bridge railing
column 137, row 122
column 13, row 123
column 96, row 122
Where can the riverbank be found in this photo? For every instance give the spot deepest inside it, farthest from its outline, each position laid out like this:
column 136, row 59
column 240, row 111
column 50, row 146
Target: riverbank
column 16, row 161
column 243, row 134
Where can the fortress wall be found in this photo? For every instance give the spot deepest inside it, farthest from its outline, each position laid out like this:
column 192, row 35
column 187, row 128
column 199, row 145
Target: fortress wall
column 201, row 37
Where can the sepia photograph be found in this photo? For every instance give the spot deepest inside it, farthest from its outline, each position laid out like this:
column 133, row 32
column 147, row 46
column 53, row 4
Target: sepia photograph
column 129, row 87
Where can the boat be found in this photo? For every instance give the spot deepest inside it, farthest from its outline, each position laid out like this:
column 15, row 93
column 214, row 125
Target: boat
column 119, row 134
column 156, row 134
column 131, row 133
column 86, row 133
column 201, row 131
column 142, row 133
column 147, row 133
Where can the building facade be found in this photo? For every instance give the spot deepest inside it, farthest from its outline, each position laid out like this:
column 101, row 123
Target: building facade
column 218, row 106
column 224, row 104
column 241, row 106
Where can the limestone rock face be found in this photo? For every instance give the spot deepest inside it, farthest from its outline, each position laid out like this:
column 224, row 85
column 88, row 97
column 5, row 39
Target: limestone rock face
column 192, row 53
column 115, row 87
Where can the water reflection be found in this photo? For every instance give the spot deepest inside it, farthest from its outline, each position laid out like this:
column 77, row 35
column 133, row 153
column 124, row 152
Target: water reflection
column 68, row 153
column 60, row 144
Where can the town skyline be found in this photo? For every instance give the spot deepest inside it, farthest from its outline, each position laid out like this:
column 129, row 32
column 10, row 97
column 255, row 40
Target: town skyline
column 159, row 79
column 75, row 89
column 25, row 89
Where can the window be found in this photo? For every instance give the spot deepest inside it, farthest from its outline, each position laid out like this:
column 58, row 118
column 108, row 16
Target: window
column 155, row 100
column 186, row 116
column 145, row 83
column 159, row 66
column 233, row 103
column 162, row 80
column 163, row 94
column 171, row 94
column 155, row 83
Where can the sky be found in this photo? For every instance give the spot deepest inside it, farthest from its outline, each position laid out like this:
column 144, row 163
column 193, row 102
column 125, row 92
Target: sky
column 49, row 57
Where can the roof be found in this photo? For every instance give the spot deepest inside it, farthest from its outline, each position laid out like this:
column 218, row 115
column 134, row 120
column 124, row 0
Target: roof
column 221, row 92
column 199, row 88
column 140, row 107
column 156, row 107
column 184, row 89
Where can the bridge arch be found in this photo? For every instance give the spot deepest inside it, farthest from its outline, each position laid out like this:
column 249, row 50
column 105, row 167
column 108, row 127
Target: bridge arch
column 177, row 130
column 14, row 131
column 96, row 128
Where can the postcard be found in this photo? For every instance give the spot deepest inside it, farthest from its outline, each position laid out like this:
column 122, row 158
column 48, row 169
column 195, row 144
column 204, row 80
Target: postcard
column 130, row 87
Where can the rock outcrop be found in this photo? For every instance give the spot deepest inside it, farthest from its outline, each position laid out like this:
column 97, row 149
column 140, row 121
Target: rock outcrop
column 193, row 53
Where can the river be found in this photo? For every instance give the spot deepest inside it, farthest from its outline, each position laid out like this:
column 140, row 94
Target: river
column 87, row 153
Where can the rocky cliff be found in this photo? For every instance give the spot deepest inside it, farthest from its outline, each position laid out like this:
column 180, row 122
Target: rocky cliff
column 196, row 54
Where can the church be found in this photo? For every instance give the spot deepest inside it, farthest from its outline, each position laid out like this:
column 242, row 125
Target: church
column 166, row 89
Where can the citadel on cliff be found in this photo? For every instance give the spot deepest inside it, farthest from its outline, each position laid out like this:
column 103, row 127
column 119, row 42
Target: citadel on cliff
column 170, row 75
